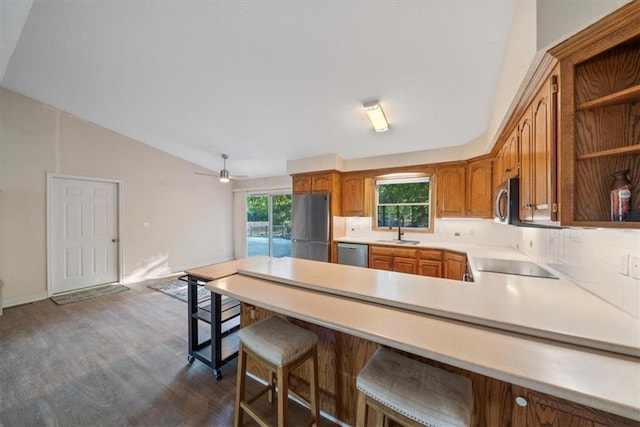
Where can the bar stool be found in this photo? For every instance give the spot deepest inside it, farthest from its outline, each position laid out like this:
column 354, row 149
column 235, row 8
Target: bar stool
column 412, row 393
column 281, row 347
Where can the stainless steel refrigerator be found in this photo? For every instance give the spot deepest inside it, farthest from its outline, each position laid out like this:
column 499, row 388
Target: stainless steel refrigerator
column 310, row 226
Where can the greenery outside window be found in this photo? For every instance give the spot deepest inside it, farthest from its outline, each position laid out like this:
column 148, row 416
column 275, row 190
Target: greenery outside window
column 404, row 202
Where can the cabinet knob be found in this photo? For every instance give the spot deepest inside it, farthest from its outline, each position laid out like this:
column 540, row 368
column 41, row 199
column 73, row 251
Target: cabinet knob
column 521, row 401
column 507, row 170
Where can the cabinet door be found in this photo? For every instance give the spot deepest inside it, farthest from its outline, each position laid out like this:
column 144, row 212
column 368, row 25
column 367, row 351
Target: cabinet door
column 353, row 196
column 451, row 192
column 511, row 156
column 381, row 262
column 479, row 193
column 455, row 265
column 405, row 265
column 507, row 159
column 301, row 184
column 526, row 171
column 543, row 168
column 544, row 410
column 430, row 254
column 430, row 268
column 321, row 183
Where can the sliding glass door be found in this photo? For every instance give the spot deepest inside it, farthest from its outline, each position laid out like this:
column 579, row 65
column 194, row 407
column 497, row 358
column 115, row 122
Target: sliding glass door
column 269, row 224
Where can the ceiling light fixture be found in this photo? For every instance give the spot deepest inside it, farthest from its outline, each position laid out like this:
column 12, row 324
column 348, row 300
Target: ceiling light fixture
column 224, row 173
column 376, row 116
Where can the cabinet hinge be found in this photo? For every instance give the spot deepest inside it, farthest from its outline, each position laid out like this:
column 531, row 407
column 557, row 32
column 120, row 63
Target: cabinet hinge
column 554, row 88
column 554, row 208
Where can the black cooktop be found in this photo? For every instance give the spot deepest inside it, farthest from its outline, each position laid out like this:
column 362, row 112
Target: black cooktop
column 507, row 266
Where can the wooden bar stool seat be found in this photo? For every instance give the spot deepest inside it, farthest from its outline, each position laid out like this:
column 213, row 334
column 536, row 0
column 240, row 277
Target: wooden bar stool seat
column 412, row 393
column 281, row 347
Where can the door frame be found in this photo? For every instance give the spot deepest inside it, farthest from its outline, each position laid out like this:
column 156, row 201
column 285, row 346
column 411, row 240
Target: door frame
column 119, row 211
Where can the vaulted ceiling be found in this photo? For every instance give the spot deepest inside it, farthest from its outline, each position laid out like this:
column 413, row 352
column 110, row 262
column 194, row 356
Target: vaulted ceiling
column 263, row 81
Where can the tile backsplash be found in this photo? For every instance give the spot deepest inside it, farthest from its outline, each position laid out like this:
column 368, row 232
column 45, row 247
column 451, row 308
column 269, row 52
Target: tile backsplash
column 590, row 257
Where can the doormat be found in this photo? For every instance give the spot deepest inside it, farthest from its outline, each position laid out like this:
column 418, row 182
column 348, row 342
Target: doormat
column 178, row 289
column 88, row 294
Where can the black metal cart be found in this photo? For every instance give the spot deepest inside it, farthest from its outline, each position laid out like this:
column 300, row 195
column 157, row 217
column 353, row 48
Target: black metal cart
column 222, row 314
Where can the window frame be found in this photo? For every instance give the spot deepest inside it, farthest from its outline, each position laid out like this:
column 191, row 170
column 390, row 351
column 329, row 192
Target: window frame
column 406, row 178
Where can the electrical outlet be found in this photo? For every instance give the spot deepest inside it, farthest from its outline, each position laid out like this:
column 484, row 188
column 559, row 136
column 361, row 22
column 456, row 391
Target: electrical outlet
column 623, row 264
column 635, row 267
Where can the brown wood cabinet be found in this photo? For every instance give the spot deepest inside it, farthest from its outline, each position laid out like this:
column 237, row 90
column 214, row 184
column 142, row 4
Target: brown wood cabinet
column 451, row 191
column 537, row 131
column 479, row 189
column 455, row 265
column 388, row 258
column 600, row 112
column 322, row 182
column 425, row 262
column 507, row 160
column 381, row 262
column 302, row 184
column 353, row 195
column 532, row 408
column 430, row 262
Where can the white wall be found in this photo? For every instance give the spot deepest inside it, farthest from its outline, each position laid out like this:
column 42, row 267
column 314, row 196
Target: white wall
column 189, row 214
column 516, row 67
column 557, row 20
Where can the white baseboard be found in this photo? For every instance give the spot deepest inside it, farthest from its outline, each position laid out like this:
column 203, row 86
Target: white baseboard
column 24, row 299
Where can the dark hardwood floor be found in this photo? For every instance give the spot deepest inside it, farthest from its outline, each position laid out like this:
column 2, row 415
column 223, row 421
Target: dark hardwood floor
column 114, row 360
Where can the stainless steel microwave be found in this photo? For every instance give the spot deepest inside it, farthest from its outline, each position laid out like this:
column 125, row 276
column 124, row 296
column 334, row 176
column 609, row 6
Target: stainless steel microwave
column 506, row 207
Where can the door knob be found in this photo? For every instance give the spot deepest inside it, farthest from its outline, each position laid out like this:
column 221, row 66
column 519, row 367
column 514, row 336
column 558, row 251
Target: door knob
column 115, row 240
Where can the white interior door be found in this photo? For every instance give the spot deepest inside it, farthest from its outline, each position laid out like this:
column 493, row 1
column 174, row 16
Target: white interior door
column 84, row 233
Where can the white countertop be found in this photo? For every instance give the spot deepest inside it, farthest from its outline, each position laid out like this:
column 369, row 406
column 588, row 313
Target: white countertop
column 548, row 308
column 602, row 380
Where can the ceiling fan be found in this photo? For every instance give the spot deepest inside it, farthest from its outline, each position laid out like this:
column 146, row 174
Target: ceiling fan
column 224, row 172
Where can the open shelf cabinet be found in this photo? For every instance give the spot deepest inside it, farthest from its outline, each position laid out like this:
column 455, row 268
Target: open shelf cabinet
column 600, row 120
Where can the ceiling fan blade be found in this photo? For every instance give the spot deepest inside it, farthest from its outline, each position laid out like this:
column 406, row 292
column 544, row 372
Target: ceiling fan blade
column 205, row 174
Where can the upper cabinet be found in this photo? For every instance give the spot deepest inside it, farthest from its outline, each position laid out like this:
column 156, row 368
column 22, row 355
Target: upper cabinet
column 479, row 189
column 537, row 132
column 600, row 122
column 465, row 191
column 451, row 191
column 507, row 159
column 302, row 184
column 322, row 182
column 355, row 195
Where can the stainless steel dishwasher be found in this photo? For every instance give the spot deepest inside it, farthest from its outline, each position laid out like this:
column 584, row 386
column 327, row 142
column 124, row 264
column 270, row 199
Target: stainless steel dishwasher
column 353, row 254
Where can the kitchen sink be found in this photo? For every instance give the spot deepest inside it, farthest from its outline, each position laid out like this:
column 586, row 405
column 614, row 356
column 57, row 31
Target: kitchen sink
column 400, row 242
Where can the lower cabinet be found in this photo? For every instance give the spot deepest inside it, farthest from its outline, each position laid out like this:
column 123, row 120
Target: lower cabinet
column 455, row 265
column 405, row 265
column 425, row 262
column 532, row 408
column 430, row 262
column 430, row 268
column 380, row 262
column 388, row 258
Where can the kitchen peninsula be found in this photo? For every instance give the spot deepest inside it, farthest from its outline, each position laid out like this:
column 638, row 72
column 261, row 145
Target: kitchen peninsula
column 489, row 337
